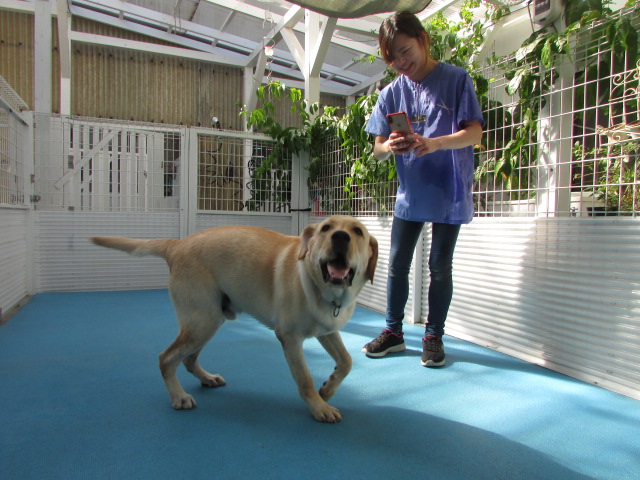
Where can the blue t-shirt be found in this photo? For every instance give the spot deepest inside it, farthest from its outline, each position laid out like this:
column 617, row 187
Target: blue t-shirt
column 436, row 187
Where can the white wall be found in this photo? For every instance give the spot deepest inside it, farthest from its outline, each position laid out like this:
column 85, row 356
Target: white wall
column 13, row 258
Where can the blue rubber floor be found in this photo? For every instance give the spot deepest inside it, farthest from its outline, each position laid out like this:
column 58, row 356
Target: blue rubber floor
column 81, row 397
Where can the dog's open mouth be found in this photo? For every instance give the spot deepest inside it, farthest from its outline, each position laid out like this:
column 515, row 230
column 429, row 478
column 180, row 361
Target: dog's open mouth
column 337, row 271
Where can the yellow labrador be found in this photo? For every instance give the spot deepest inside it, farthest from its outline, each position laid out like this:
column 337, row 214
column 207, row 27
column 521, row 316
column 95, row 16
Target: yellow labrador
column 301, row 287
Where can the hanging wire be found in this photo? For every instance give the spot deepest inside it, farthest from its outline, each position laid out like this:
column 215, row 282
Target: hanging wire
column 269, row 44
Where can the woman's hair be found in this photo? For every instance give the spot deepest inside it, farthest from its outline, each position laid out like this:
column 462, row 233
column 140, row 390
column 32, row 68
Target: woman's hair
column 401, row 22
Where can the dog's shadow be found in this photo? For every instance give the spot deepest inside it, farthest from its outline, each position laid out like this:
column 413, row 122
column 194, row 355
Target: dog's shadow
column 389, row 440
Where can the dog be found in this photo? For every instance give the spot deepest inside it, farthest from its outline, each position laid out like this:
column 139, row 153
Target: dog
column 301, row 287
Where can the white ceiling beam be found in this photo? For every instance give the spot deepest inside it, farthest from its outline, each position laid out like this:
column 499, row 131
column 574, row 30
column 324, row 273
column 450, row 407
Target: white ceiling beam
column 300, row 27
column 159, row 18
column 327, row 70
column 203, row 46
column 291, row 20
column 159, row 49
column 225, row 24
column 195, row 12
column 296, row 49
column 257, row 81
column 17, row 6
column 319, row 50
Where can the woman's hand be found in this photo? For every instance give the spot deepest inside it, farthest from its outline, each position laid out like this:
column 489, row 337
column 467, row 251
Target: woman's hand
column 469, row 134
column 422, row 145
column 399, row 143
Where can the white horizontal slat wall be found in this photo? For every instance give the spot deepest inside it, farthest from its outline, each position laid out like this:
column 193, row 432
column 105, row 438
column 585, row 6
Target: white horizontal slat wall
column 278, row 223
column 66, row 260
column 563, row 293
column 13, row 258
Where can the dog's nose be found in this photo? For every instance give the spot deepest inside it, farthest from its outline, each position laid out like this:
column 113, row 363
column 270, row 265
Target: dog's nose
column 340, row 238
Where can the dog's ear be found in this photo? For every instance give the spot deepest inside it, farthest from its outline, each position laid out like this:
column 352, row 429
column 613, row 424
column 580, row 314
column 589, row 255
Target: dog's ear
column 306, row 235
column 373, row 258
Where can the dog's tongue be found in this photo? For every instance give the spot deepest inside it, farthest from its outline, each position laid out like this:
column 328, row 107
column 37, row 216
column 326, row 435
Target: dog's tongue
column 337, row 272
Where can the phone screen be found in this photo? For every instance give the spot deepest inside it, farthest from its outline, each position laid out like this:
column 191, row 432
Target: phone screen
column 399, row 122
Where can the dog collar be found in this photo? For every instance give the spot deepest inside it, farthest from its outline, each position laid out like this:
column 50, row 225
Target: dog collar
column 336, row 308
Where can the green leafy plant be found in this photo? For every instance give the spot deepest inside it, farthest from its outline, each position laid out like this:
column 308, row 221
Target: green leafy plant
column 614, row 171
column 270, row 180
column 318, row 124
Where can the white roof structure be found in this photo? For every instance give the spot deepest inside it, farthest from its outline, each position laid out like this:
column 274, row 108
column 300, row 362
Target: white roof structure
column 275, row 38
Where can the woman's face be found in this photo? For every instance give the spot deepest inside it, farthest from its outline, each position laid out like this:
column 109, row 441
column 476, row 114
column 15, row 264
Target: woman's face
column 409, row 57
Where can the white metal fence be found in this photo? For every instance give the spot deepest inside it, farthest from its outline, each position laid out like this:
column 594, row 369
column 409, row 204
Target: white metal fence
column 234, row 175
column 580, row 157
column 103, row 177
column 15, row 172
column 94, row 165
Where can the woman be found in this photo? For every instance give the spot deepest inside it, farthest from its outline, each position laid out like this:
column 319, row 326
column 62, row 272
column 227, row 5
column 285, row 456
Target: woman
column 435, row 172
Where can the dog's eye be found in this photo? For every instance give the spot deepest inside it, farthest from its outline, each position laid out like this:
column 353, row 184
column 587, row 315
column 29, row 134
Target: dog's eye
column 325, row 228
column 358, row 231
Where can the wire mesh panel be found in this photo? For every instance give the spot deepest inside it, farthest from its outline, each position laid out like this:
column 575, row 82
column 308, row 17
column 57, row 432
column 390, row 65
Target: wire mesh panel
column 12, row 161
column 505, row 182
column 339, row 186
column 570, row 149
column 606, row 151
column 92, row 165
column 220, row 173
column 239, row 173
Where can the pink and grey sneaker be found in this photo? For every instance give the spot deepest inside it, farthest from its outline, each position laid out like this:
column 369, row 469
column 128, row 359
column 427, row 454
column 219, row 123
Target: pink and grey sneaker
column 432, row 351
column 386, row 342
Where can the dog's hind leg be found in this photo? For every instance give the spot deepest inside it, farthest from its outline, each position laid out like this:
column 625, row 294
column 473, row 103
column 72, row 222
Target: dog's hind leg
column 206, row 379
column 196, row 329
column 333, row 344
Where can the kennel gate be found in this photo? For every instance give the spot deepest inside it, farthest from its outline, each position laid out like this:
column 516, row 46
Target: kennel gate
column 97, row 177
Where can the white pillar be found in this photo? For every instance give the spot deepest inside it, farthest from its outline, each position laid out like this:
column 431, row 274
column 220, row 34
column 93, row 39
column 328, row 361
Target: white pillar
column 43, row 50
column 64, row 46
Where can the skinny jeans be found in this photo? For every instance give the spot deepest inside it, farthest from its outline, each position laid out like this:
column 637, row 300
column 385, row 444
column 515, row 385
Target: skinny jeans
column 404, row 237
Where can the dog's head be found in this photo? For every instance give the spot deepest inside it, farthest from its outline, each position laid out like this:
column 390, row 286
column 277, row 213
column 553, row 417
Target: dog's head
column 340, row 249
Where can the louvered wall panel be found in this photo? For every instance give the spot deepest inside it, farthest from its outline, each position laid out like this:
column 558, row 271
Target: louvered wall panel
column 17, row 53
column 13, row 258
column 65, row 259
column 560, row 293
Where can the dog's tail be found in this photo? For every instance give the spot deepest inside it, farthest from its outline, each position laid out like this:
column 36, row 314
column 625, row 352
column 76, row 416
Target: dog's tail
column 158, row 247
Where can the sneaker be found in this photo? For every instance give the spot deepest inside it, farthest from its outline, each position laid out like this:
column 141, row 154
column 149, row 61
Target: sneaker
column 432, row 351
column 386, row 342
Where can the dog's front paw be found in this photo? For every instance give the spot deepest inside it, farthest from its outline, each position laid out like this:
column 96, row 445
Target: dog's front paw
column 184, row 402
column 326, row 414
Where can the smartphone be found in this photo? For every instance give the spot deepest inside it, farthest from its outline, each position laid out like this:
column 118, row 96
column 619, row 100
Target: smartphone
column 399, row 122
